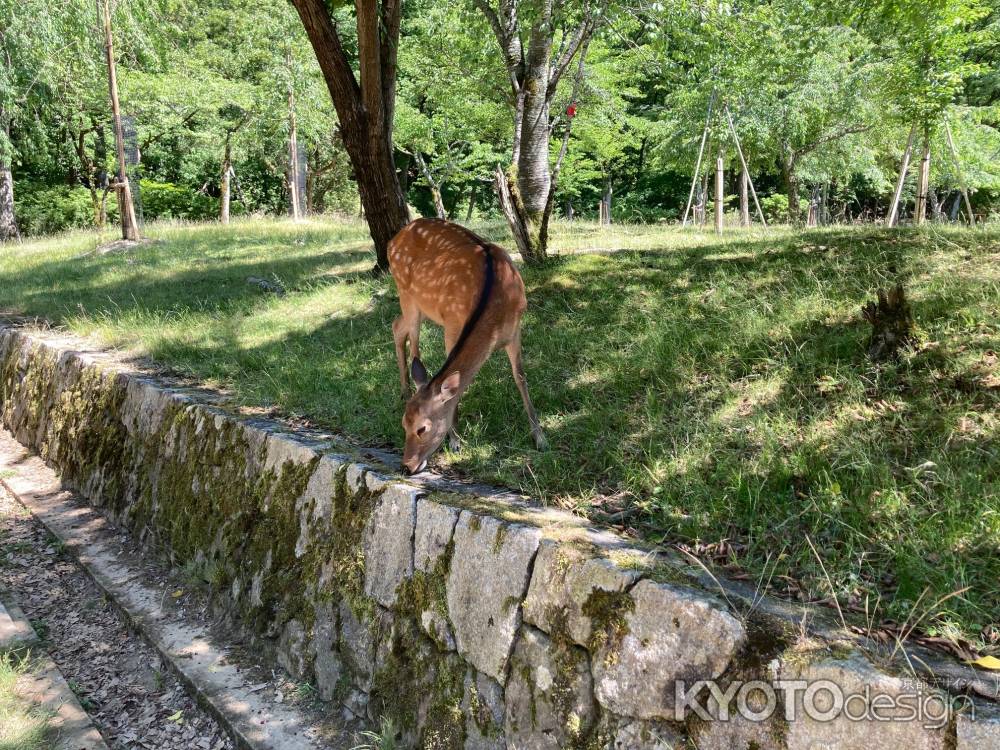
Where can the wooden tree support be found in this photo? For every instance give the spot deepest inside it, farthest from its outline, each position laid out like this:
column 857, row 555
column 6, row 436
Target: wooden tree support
column 701, row 152
column 719, row 188
column 958, row 170
column 893, row 217
column 130, row 225
column 743, row 163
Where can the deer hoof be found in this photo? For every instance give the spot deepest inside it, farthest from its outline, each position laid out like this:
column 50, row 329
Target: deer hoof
column 454, row 442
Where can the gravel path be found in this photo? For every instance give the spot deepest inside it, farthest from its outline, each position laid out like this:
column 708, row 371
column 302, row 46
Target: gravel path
column 119, row 679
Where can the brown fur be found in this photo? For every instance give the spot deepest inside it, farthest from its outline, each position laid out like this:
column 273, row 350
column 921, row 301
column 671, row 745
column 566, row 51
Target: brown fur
column 439, row 268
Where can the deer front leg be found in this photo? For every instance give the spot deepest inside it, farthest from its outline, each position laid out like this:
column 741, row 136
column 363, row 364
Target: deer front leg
column 450, row 338
column 516, row 364
column 406, row 327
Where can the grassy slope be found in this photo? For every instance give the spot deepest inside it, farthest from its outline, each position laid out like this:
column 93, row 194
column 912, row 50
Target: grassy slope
column 720, row 386
column 22, row 727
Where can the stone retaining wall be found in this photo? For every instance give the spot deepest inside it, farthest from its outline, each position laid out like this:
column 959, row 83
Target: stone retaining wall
column 473, row 622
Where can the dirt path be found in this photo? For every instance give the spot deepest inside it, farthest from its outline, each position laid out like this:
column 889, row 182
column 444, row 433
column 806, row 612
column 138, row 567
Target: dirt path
column 120, row 681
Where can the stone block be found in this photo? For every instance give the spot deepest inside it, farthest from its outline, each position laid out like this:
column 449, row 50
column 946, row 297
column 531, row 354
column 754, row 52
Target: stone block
column 435, row 526
column 562, row 583
column 666, row 634
column 865, row 692
column 549, row 695
column 486, row 585
column 979, row 729
column 388, row 543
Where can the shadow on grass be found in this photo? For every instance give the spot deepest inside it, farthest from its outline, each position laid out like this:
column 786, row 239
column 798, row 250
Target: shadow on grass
column 721, row 389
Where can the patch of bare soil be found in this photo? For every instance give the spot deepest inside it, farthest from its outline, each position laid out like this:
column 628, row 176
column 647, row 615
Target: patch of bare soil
column 124, row 246
column 133, row 699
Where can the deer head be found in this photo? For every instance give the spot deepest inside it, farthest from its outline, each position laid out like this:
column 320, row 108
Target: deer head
column 429, row 416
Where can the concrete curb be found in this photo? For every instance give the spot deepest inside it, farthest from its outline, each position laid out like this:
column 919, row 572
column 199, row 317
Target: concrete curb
column 44, row 685
column 251, row 718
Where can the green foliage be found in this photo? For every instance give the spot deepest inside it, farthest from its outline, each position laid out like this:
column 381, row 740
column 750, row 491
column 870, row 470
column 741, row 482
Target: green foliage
column 164, row 200
column 43, row 209
column 775, row 207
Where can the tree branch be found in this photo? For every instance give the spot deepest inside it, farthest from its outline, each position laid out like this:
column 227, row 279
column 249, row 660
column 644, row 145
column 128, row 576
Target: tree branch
column 835, row 136
column 370, row 61
column 389, row 55
column 504, row 25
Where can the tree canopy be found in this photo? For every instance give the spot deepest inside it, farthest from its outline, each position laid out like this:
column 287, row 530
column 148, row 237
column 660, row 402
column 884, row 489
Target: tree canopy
column 822, row 98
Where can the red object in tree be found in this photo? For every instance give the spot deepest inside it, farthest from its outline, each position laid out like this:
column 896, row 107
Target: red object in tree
column 571, row 110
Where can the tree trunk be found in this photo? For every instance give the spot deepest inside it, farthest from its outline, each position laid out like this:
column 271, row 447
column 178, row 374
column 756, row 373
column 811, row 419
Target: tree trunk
column 126, row 209
column 227, row 168
column 8, row 227
column 923, row 176
column 606, row 201
column 568, row 209
column 434, row 186
column 365, row 107
column 472, row 202
column 791, row 181
column 294, row 178
column 704, row 199
column 744, row 199
column 526, row 191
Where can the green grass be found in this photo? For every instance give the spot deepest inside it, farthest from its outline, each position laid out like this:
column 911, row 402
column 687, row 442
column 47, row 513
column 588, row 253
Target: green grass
column 22, row 726
column 719, row 387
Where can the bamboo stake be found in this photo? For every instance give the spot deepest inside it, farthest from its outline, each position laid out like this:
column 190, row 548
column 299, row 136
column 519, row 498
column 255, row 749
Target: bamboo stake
column 743, row 162
column 718, row 194
column 904, row 166
column 701, row 151
column 130, row 226
column 958, row 169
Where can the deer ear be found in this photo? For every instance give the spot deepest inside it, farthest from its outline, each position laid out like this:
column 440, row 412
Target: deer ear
column 449, row 386
column 419, row 372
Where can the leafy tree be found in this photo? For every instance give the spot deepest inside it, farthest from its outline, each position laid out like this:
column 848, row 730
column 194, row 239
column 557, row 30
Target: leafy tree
column 527, row 33
column 365, row 104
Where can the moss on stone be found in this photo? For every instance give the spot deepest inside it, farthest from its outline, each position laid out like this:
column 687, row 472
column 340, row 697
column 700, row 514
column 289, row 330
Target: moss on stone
column 426, row 590
column 607, row 611
column 415, row 680
column 500, row 537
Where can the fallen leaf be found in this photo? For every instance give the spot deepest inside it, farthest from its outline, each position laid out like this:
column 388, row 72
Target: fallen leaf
column 178, row 594
column 986, row 662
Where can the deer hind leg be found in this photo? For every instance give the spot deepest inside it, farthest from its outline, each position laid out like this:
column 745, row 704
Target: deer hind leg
column 517, row 365
column 406, row 327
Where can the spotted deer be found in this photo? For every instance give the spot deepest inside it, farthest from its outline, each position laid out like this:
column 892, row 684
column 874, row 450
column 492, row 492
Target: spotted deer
column 469, row 287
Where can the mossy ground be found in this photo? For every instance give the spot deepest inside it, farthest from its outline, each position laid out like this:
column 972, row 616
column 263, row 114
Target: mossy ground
column 716, row 389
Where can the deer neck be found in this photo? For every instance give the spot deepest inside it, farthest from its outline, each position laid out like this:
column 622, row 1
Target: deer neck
column 468, row 361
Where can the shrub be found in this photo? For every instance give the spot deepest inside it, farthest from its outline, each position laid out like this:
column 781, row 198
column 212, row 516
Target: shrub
column 775, row 208
column 44, row 209
column 165, row 200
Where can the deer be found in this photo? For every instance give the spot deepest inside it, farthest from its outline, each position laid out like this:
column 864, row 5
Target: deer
column 471, row 288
